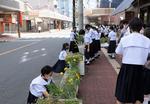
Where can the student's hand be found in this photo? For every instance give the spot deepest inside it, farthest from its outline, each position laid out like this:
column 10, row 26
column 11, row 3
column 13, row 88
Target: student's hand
column 46, row 94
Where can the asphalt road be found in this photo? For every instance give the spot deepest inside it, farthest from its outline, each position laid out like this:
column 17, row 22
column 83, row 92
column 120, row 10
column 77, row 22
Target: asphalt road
column 20, row 62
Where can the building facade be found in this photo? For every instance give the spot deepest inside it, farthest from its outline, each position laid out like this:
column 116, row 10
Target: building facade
column 10, row 15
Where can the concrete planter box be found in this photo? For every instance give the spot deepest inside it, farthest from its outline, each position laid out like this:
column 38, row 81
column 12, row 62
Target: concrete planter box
column 81, row 48
column 64, row 101
column 81, row 66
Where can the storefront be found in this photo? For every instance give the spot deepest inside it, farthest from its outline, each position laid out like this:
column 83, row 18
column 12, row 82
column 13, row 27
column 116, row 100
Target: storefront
column 10, row 15
column 144, row 10
column 8, row 22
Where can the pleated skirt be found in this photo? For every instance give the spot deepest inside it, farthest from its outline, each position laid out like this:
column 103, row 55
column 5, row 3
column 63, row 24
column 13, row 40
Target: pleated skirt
column 59, row 66
column 130, row 84
column 112, row 47
column 73, row 47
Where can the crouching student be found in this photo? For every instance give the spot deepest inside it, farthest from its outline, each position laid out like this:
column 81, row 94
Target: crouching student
column 38, row 85
column 61, row 63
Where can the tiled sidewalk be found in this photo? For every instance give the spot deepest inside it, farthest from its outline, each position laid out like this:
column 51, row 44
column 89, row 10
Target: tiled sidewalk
column 98, row 85
column 5, row 38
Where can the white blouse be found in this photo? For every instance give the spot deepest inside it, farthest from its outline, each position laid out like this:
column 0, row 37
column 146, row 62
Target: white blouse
column 134, row 48
column 112, row 35
column 37, row 86
column 62, row 55
column 97, row 35
column 92, row 32
column 87, row 38
column 72, row 38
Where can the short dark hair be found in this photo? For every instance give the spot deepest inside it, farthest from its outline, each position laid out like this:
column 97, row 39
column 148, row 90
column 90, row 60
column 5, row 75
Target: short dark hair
column 111, row 27
column 81, row 32
column 65, row 46
column 136, row 24
column 87, row 26
column 46, row 70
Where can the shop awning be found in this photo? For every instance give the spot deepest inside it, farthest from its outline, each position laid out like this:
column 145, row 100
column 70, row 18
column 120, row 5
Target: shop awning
column 125, row 4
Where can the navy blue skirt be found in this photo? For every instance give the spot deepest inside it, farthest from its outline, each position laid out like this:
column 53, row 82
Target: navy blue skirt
column 112, row 47
column 59, row 66
column 130, row 84
column 31, row 99
column 146, row 81
column 98, row 45
column 73, row 47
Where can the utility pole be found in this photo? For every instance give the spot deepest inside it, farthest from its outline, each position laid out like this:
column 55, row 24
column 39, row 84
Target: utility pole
column 74, row 21
column 80, row 7
column 18, row 24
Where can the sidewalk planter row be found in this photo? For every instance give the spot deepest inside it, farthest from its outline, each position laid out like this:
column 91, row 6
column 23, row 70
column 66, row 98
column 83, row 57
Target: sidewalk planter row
column 67, row 90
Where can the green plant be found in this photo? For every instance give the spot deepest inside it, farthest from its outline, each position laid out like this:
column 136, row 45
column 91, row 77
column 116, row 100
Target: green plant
column 73, row 59
column 104, row 40
column 70, row 86
column 79, row 39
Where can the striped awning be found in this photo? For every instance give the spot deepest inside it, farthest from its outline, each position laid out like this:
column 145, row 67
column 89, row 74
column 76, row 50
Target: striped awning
column 125, row 4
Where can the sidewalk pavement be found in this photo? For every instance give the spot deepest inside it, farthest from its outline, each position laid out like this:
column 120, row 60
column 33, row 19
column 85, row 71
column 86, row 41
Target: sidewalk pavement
column 5, row 38
column 98, row 84
column 53, row 33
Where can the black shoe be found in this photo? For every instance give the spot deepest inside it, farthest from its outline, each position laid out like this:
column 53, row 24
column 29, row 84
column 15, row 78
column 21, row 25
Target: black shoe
column 87, row 63
column 112, row 57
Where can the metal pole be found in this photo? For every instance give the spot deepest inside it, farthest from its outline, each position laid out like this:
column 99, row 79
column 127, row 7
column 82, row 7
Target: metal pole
column 74, row 22
column 80, row 2
column 138, row 9
column 110, row 12
column 18, row 18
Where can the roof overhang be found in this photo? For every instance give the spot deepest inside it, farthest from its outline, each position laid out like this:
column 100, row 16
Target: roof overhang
column 125, row 5
column 98, row 12
column 11, row 5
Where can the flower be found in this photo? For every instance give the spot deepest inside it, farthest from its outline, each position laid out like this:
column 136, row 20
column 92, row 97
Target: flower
column 61, row 73
column 78, row 75
column 65, row 69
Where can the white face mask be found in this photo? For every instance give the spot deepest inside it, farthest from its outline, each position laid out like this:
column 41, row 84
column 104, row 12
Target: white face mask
column 142, row 31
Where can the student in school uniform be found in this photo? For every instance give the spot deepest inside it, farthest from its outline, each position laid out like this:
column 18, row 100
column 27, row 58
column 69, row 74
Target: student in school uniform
column 73, row 44
column 112, row 42
column 61, row 63
column 98, row 43
column 38, row 85
column 147, row 67
column 93, row 36
column 134, row 50
column 87, row 43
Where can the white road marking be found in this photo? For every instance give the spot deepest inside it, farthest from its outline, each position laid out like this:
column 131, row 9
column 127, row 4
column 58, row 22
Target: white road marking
column 26, row 53
column 43, row 49
column 43, row 54
column 13, row 50
column 35, row 51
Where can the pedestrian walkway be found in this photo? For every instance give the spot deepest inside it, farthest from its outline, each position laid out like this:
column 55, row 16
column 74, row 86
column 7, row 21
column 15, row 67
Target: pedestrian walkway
column 29, row 35
column 98, row 85
column 5, row 38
